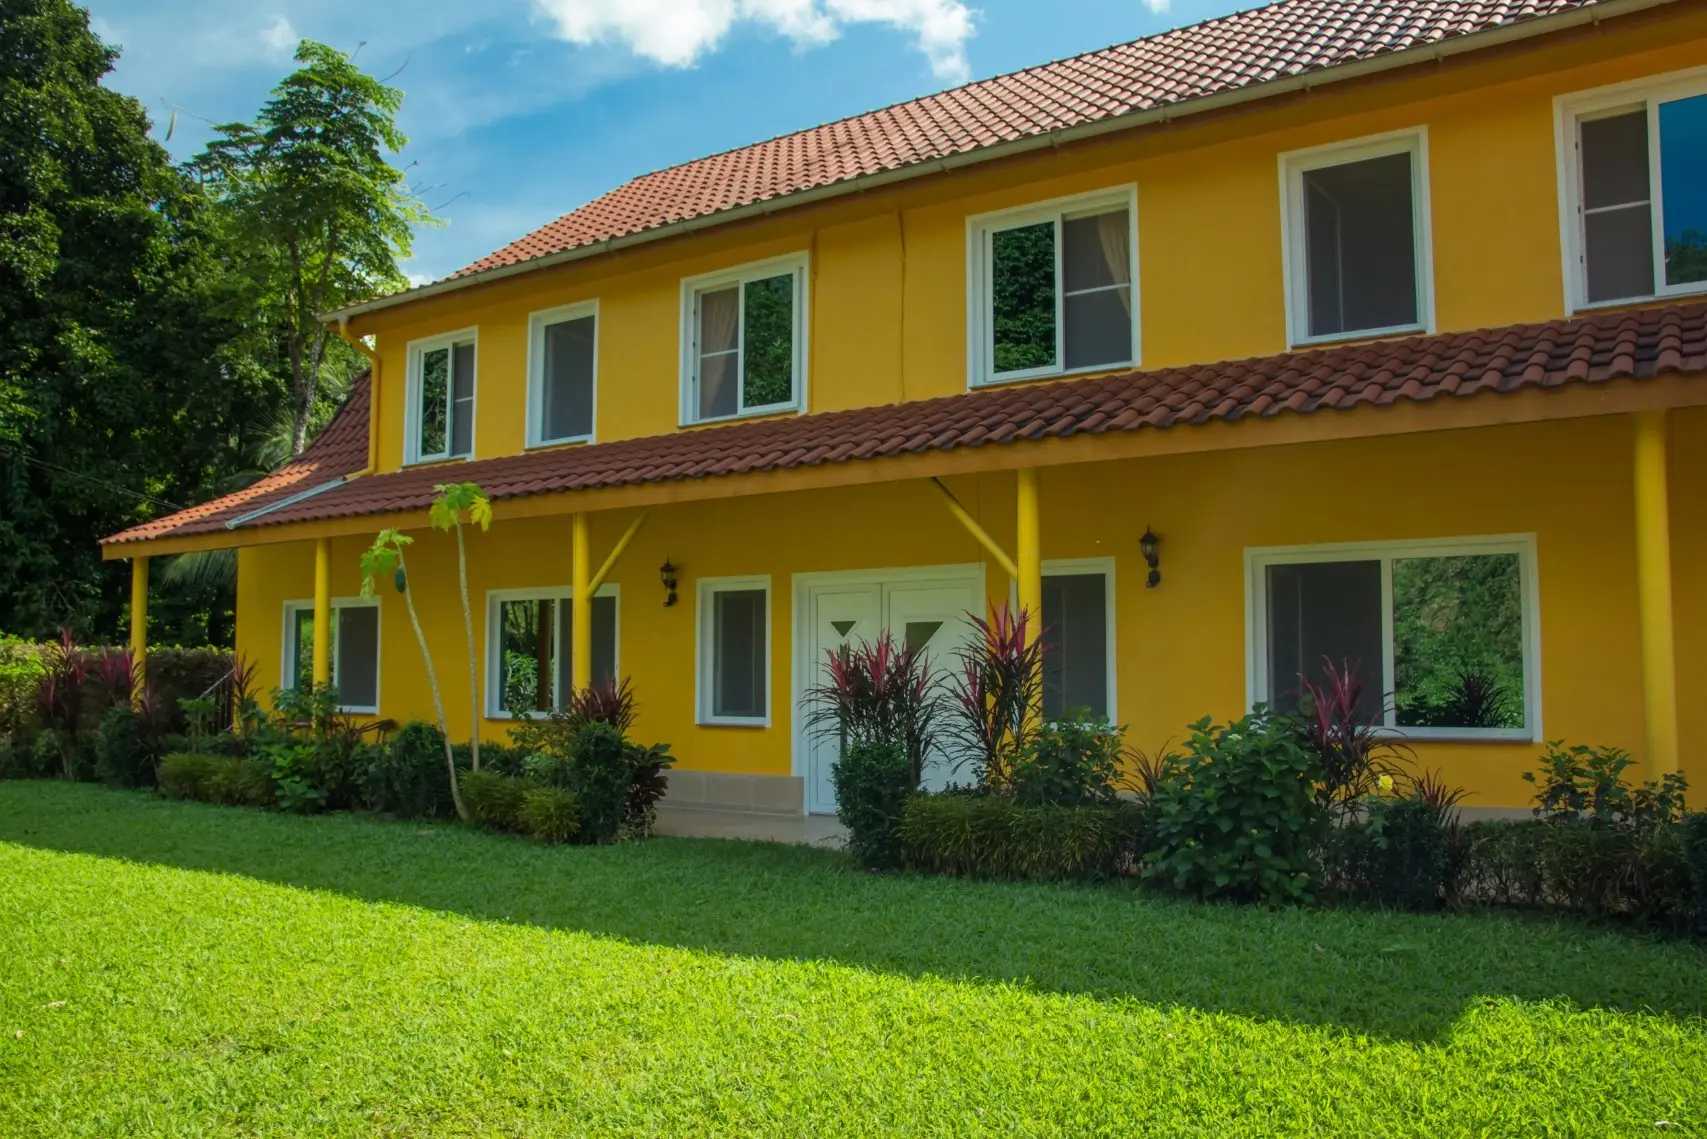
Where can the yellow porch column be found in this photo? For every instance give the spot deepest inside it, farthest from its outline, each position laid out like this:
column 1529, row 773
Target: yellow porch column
column 1028, row 555
column 322, row 612
column 138, row 623
column 1653, row 582
column 581, row 605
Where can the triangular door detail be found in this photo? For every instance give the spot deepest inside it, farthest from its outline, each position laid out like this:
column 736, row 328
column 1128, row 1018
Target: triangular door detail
column 918, row 634
column 843, row 628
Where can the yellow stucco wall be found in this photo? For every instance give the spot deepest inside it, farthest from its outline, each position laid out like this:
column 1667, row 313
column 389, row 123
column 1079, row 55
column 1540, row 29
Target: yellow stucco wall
column 1181, row 647
column 888, row 281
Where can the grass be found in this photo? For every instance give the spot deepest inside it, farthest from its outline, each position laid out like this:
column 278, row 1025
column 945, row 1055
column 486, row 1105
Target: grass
column 177, row 969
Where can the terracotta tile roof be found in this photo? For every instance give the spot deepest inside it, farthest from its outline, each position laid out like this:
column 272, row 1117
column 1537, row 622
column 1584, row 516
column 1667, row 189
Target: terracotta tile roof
column 1215, row 57
column 1639, row 344
column 339, row 450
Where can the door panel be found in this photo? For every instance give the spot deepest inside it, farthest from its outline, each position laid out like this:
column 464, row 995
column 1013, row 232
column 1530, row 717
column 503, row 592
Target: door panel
column 840, row 615
column 931, row 617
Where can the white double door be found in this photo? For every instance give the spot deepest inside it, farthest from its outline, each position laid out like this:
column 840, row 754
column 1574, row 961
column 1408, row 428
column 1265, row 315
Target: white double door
column 923, row 609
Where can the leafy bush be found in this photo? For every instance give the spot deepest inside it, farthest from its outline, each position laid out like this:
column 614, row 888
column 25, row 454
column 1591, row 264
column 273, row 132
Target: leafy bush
column 1236, row 817
column 28, row 757
column 997, row 680
column 647, row 784
column 239, row 782
column 294, row 764
column 21, row 673
column 874, row 779
column 1581, row 782
column 1639, row 873
column 599, row 775
column 990, row 836
column 1395, row 856
column 495, row 800
column 1071, row 762
column 407, row 777
column 1695, row 860
column 124, row 749
column 550, row 813
column 1344, row 731
column 1503, row 864
column 877, row 691
column 184, row 775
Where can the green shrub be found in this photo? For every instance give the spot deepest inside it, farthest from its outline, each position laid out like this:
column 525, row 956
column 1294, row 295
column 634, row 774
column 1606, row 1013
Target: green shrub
column 1695, row 862
column 1503, row 861
column 1638, row 873
column 46, row 757
column 599, row 774
column 123, row 752
column 184, row 775
column 494, row 800
column 24, row 757
column 990, row 836
column 407, row 777
column 237, row 782
column 550, row 813
column 1395, row 854
column 1070, row 762
column 1237, row 817
column 646, row 785
column 20, row 679
column 874, row 779
column 1582, row 782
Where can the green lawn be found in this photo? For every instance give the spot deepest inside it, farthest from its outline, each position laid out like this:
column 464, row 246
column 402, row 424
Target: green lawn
column 176, row 969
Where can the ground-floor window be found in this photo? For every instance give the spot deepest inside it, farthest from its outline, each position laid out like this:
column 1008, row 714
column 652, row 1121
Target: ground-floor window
column 734, row 650
column 1077, row 664
column 529, row 653
column 1443, row 634
column 354, row 651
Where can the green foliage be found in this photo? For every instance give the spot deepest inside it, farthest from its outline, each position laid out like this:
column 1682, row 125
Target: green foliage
column 239, row 782
column 599, row 775
column 1639, row 873
column 28, row 757
column 647, row 784
column 1581, row 782
column 1023, row 284
column 495, row 800
column 550, row 814
column 407, row 778
column 768, row 342
column 124, row 749
column 873, row 779
column 1397, row 855
column 1503, row 865
column 294, row 766
column 1071, row 762
column 20, row 678
column 184, row 775
column 1458, row 641
column 1695, row 861
column 1236, row 817
column 991, row 836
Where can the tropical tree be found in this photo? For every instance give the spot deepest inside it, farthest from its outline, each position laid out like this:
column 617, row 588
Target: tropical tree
column 323, row 213
column 452, row 502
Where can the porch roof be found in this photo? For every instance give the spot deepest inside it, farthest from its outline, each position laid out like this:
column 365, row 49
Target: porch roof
column 1639, row 345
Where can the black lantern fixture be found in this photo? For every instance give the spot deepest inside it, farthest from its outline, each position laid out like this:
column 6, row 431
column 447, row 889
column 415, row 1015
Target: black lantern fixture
column 1148, row 544
column 667, row 575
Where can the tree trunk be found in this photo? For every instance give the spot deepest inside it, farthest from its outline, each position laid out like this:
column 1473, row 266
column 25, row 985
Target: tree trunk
column 433, row 683
column 468, row 634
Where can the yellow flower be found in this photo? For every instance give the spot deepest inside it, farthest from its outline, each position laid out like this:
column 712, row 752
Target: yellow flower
column 1386, row 782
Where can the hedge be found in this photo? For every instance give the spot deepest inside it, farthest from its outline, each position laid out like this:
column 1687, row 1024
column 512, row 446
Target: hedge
column 988, row 836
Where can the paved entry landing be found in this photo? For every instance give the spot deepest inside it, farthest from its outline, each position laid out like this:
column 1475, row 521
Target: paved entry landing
column 754, row 826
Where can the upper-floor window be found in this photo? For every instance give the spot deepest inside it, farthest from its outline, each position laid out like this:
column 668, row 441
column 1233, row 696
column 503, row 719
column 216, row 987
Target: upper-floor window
column 744, row 338
column 441, row 398
column 562, row 369
column 1357, row 246
column 1635, row 191
column 1051, row 288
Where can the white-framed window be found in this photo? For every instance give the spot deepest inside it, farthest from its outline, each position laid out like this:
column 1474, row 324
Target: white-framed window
column 1052, row 288
column 734, row 667
column 354, row 649
column 744, row 340
column 440, row 405
column 1444, row 634
column 563, row 352
column 529, row 636
column 1356, row 238
column 1078, row 638
column 1633, row 190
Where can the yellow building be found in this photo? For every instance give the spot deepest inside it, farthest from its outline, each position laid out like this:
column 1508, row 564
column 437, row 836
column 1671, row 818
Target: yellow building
column 1384, row 321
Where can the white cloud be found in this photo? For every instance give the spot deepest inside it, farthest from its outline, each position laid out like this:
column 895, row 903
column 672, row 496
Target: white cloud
column 1157, row 7
column 280, row 37
column 677, row 32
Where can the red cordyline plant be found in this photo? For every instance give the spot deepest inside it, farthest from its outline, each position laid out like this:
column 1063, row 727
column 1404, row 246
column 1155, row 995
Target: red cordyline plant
column 880, row 690
column 1338, row 727
column 117, row 671
column 993, row 692
column 60, row 695
column 607, row 703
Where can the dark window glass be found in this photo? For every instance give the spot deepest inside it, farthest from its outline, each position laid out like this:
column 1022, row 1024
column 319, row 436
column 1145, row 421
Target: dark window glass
column 1458, row 642
column 526, row 653
column 356, row 671
column 738, row 653
column 1023, row 287
column 1361, row 256
column 435, row 401
column 1075, row 644
column 767, row 342
column 1096, row 269
column 1324, row 612
column 1617, row 216
column 568, row 374
column 1683, row 188
column 604, row 643
column 462, row 403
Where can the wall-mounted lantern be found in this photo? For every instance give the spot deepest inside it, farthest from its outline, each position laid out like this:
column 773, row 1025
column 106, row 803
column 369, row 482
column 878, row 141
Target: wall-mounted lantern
column 667, row 575
column 1148, row 543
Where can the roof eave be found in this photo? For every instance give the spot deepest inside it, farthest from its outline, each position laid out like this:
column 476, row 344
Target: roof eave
column 1303, row 81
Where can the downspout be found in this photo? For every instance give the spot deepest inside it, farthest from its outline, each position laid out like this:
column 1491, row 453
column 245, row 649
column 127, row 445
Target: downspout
column 372, row 398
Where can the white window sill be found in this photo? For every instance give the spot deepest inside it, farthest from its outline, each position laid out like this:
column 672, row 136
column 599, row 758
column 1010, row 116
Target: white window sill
column 751, row 413
column 1653, row 299
column 1007, row 379
column 572, row 441
column 438, row 460
column 1360, row 334
column 1460, row 735
column 732, row 722
column 344, row 711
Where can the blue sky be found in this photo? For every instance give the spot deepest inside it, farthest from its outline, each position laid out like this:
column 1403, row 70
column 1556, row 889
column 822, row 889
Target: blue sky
column 518, row 111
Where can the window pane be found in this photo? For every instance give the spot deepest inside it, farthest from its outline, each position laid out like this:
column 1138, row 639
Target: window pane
column 1328, row 612
column 1458, row 642
column 435, row 400
column 1075, row 644
column 1099, row 328
column 767, row 342
column 1096, row 252
column 357, row 668
column 1620, row 253
column 738, row 653
column 719, row 313
column 1615, row 160
column 1683, row 185
column 1361, row 258
column 1023, row 287
column 302, row 648
column 525, row 659
column 462, row 408
column 568, row 368
column 604, row 644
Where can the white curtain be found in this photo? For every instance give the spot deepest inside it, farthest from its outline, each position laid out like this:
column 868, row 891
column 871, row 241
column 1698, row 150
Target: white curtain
column 1115, row 235
column 718, row 313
